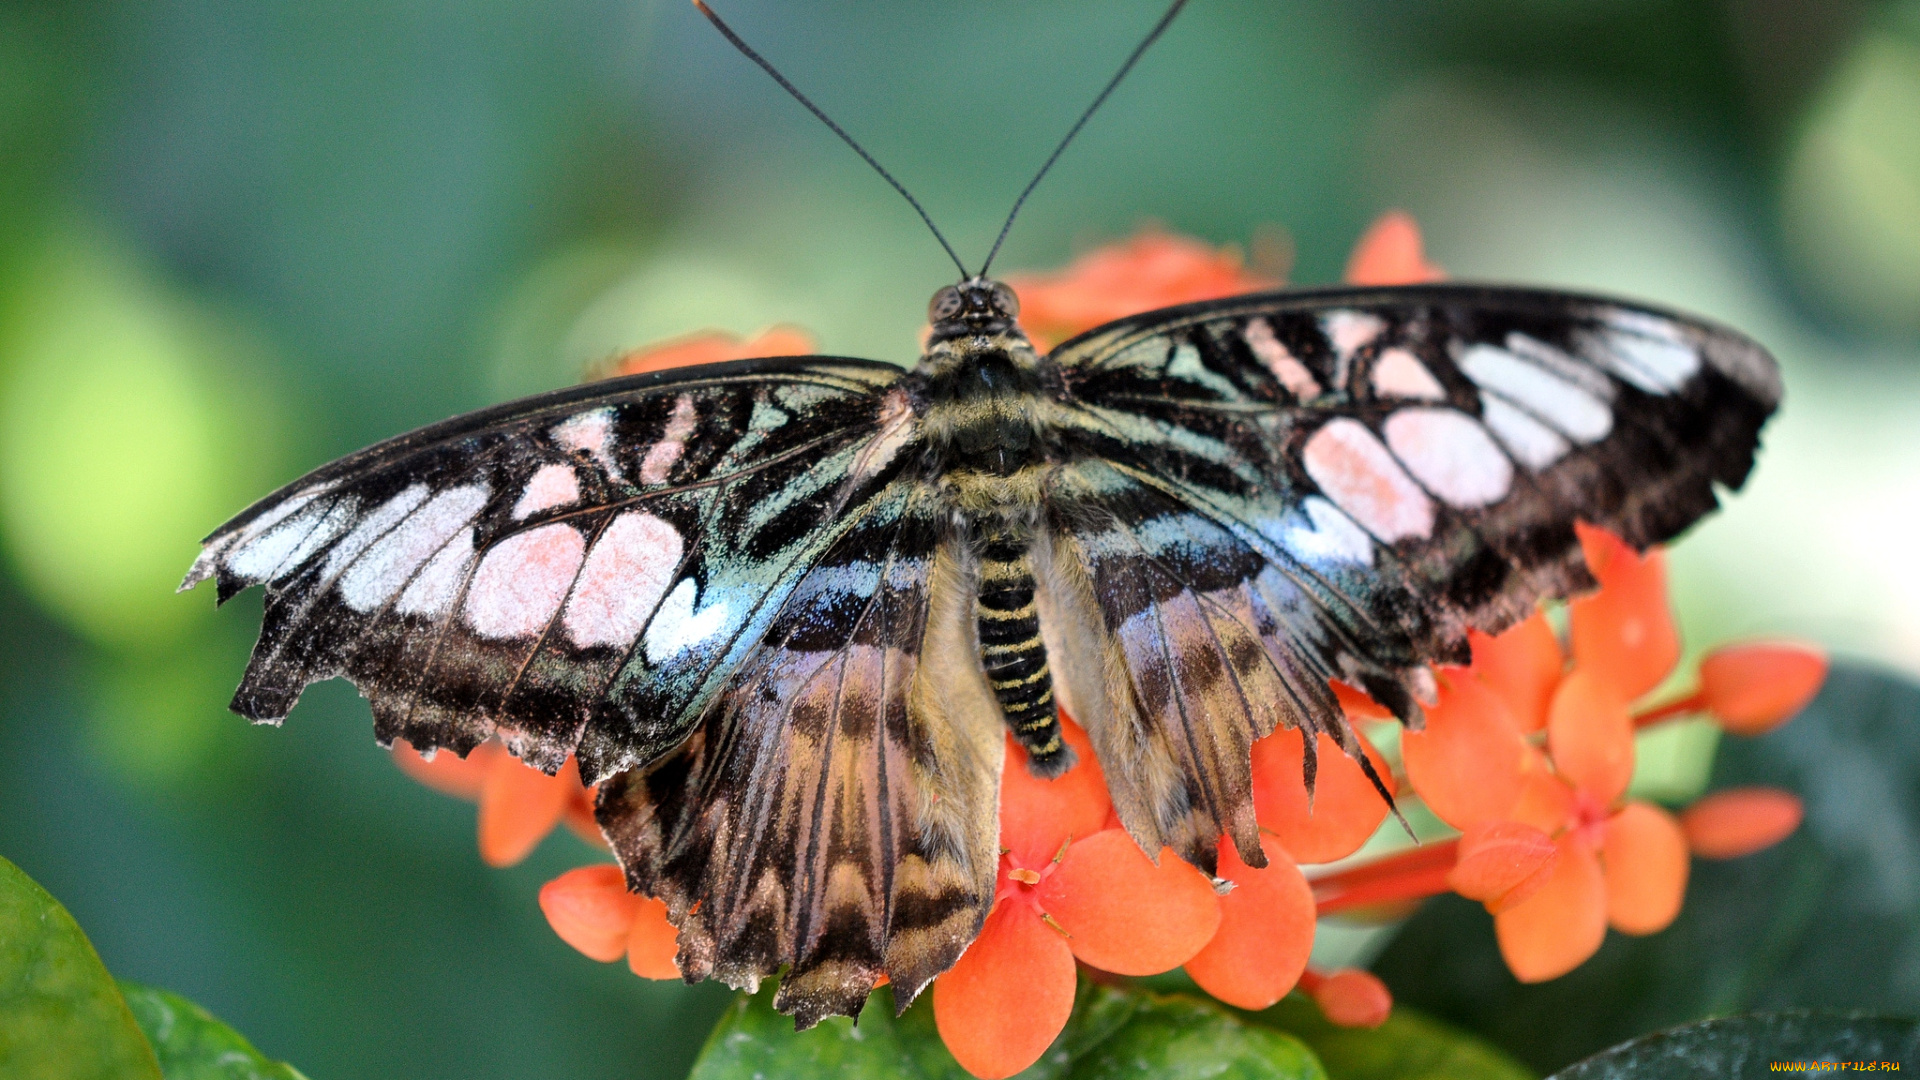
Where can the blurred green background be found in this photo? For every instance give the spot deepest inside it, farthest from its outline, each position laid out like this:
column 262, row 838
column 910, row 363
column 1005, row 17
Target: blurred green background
column 240, row 239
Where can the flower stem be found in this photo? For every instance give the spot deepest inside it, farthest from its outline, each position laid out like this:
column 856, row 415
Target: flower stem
column 1686, row 706
column 1407, row 875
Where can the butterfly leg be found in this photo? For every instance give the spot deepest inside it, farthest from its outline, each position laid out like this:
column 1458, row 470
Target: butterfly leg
column 1015, row 658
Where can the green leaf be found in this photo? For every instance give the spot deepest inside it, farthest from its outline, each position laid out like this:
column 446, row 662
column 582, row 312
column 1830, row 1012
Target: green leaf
column 192, row 1045
column 1751, row 1045
column 1112, row 1033
column 1828, row 919
column 61, row 1016
column 1179, row 1037
column 1409, row 1046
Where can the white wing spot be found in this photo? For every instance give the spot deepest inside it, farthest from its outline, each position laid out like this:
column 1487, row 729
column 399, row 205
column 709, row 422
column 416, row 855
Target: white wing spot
column 1451, row 455
column 663, row 455
column 1351, row 331
column 1285, row 366
column 1646, row 351
column 1360, row 475
column 623, row 578
column 292, row 542
column 522, row 580
column 392, row 559
column 550, row 486
column 432, row 590
column 1399, row 374
column 1331, row 536
column 677, row 627
column 1565, row 407
column 376, row 524
column 589, row 433
column 1535, row 444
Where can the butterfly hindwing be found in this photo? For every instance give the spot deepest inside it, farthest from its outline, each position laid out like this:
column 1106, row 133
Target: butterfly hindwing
column 580, row 571
column 835, row 815
column 1355, row 478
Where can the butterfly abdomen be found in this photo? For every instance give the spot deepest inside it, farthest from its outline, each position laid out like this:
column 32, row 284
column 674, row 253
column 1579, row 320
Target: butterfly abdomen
column 1013, row 655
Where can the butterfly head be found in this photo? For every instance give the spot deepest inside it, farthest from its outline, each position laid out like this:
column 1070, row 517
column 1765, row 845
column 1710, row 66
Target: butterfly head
column 976, row 307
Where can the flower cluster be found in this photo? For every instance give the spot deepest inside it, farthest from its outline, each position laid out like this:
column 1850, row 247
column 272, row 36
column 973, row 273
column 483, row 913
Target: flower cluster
column 1528, row 753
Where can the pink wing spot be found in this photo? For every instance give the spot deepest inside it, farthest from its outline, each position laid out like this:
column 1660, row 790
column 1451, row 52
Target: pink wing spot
column 1285, row 366
column 1399, row 374
column 1451, row 455
column 589, row 433
column 520, row 583
column 1357, row 472
column 628, row 571
column 1351, row 331
column 551, row 486
column 662, row 456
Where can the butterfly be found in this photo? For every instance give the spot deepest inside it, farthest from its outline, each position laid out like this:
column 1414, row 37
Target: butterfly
column 785, row 612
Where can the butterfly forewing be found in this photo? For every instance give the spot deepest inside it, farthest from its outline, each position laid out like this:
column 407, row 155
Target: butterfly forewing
column 579, row 571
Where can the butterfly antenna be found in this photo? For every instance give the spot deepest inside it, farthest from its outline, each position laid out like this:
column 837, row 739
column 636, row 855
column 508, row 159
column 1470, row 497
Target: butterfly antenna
column 1138, row 50
column 747, row 51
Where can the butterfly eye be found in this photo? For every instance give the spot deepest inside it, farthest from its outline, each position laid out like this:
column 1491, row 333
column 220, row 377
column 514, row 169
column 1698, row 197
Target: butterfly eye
column 1005, row 301
column 946, row 304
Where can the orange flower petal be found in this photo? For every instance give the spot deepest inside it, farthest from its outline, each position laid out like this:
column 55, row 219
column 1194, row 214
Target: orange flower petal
column 1740, row 821
column 653, row 942
column 448, row 772
column 1467, row 763
column 1124, row 914
column 519, row 806
column 1037, row 816
column 1502, row 863
column 1753, row 688
column 1152, row 269
column 711, row 347
column 1390, row 253
column 1353, row 998
column 1645, row 856
column 591, row 909
column 1002, row 1004
column 1646, row 861
column 1590, row 735
column 1545, row 802
column 1266, row 932
column 1624, row 633
column 1346, row 809
column 1558, row 927
column 1522, row 665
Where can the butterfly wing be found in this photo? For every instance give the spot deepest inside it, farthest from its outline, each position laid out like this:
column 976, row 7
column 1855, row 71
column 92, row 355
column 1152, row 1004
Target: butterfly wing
column 579, row 572
column 1280, row 489
column 835, row 815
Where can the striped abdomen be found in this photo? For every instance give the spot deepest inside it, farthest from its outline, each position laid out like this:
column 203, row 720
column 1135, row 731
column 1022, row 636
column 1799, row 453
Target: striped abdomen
column 1014, row 657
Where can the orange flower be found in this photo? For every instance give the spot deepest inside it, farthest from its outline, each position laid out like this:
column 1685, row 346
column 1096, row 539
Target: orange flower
column 1349, row 997
column 1345, row 809
column 1153, row 269
column 1069, row 888
column 591, row 909
column 1613, row 862
column 519, row 804
column 710, row 347
column 1390, row 253
column 1740, row 821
